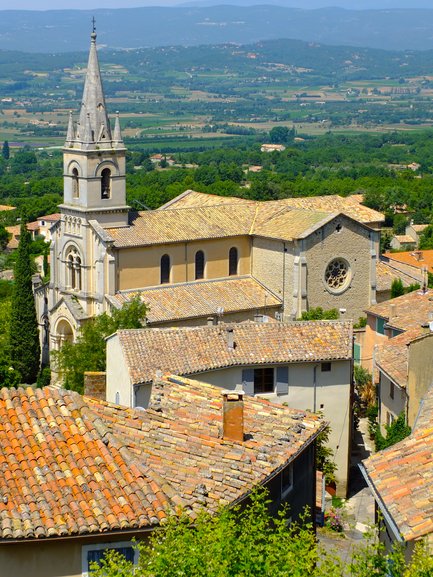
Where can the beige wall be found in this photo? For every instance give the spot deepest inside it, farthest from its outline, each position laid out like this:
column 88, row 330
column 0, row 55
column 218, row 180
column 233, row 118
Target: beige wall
column 371, row 339
column 118, row 380
column 272, row 264
column 227, row 318
column 420, row 373
column 331, row 394
column 388, row 405
column 352, row 243
column 140, row 267
column 44, row 558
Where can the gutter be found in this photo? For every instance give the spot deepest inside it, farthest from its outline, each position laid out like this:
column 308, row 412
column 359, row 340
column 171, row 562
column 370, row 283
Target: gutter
column 386, row 515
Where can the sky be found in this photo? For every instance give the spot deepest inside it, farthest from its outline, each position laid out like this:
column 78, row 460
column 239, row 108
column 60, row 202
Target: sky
column 91, row 4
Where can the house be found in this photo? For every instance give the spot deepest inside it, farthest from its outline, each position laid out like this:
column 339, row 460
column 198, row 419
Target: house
column 40, row 227
column 307, row 365
column 400, row 478
column 276, row 258
column 272, row 148
column 409, row 240
column 416, row 260
column 387, row 272
column 405, row 369
column 80, row 475
column 388, row 319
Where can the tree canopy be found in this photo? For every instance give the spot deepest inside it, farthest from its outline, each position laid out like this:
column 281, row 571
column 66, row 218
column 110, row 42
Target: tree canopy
column 88, row 352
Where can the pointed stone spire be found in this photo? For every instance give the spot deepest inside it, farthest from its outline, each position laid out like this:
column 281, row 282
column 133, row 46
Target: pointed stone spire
column 93, row 105
column 70, row 135
column 117, row 137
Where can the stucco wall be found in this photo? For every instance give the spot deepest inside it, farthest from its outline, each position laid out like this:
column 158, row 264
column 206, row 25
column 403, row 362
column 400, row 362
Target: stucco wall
column 118, row 380
column 48, row 558
column 420, row 374
column 393, row 406
column 353, row 243
column 140, row 267
column 227, row 318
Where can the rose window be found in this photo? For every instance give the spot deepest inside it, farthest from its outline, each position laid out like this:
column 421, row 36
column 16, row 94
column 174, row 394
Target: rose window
column 337, row 274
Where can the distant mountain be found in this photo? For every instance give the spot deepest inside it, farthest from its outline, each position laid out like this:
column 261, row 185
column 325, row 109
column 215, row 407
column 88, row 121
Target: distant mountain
column 68, row 30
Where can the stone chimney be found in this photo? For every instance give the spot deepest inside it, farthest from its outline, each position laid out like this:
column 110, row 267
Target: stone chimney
column 230, row 340
column 392, row 311
column 95, row 385
column 233, row 416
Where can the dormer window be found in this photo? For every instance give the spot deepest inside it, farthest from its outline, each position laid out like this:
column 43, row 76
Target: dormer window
column 106, row 183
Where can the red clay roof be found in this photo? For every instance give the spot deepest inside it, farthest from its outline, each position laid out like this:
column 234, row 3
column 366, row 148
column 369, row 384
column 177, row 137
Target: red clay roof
column 186, row 351
column 403, row 477
column 407, row 311
column 73, row 465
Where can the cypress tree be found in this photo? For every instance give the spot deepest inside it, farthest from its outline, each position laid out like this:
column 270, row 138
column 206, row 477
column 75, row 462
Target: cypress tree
column 5, row 150
column 24, row 333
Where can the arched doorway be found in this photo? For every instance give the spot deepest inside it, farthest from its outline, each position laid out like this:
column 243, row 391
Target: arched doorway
column 64, row 333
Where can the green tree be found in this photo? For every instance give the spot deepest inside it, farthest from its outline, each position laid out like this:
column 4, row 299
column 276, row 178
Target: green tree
column 88, row 353
column 319, row 314
column 4, row 237
column 426, row 240
column 395, row 432
column 5, row 150
column 325, row 456
column 23, row 330
column 397, row 288
column 280, row 135
column 247, row 542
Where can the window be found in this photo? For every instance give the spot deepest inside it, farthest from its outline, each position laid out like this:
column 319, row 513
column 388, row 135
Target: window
column 337, row 275
column 73, row 270
column 199, row 265
column 75, row 184
column 263, row 380
column 325, row 367
column 286, row 481
column 165, row 269
column 391, row 389
column 106, row 183
column 95, row 553
column 233, row 261
column 380, row 325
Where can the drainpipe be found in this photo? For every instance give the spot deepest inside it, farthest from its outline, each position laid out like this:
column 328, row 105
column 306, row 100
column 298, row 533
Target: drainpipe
column 314, row 387
column 284, row 277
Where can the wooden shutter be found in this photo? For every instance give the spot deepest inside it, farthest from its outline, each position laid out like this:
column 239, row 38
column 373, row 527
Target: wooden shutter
column 282, row 380
column 248, row 381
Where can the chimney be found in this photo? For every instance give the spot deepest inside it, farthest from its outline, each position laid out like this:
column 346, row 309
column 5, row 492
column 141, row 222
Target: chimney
column 95, row 385
column 418, row 255
column 211, row 321
column 233, row 415
column 392, row 311
column 230, row 340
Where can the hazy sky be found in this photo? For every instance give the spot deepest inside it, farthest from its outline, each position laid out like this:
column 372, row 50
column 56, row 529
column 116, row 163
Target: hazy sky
column 90, row 4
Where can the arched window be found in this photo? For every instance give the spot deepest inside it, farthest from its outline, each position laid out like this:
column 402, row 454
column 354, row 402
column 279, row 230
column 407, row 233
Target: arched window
column 75, row 183
column 106, row 183
column 199, row 264
column 73, row 270
column 233, row 261
column 165, row 269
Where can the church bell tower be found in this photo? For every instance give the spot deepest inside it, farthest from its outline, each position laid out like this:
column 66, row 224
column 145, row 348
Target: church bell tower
column 94, row 157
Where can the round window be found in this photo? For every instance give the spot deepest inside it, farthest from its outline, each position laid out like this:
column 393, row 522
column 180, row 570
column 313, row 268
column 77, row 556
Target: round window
column 337, row 275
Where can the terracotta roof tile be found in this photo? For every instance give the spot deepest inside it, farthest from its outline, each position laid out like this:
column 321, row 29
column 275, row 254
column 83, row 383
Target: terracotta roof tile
column 72, row 465
column 386, row 273
column 416, row 259
column 195, row 216
column 408, row 311
column 186, row 351
column 403, row 477
column 201, row 298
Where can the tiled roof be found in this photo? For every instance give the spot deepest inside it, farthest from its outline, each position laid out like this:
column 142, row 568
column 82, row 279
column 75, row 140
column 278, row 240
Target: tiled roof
column 386, row 273
column 195, row 216
column 402, row 475
column 218, row 221
column 393, row 355
column 408, row 311
column 51, row 217
column 419, row 227
column 186, row 351
column 415, row 258
column 201, row 298
column 405, row 239
column 72, row 465
column 6, row 207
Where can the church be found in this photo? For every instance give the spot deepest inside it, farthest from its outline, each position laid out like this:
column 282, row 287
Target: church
column 199, row 259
